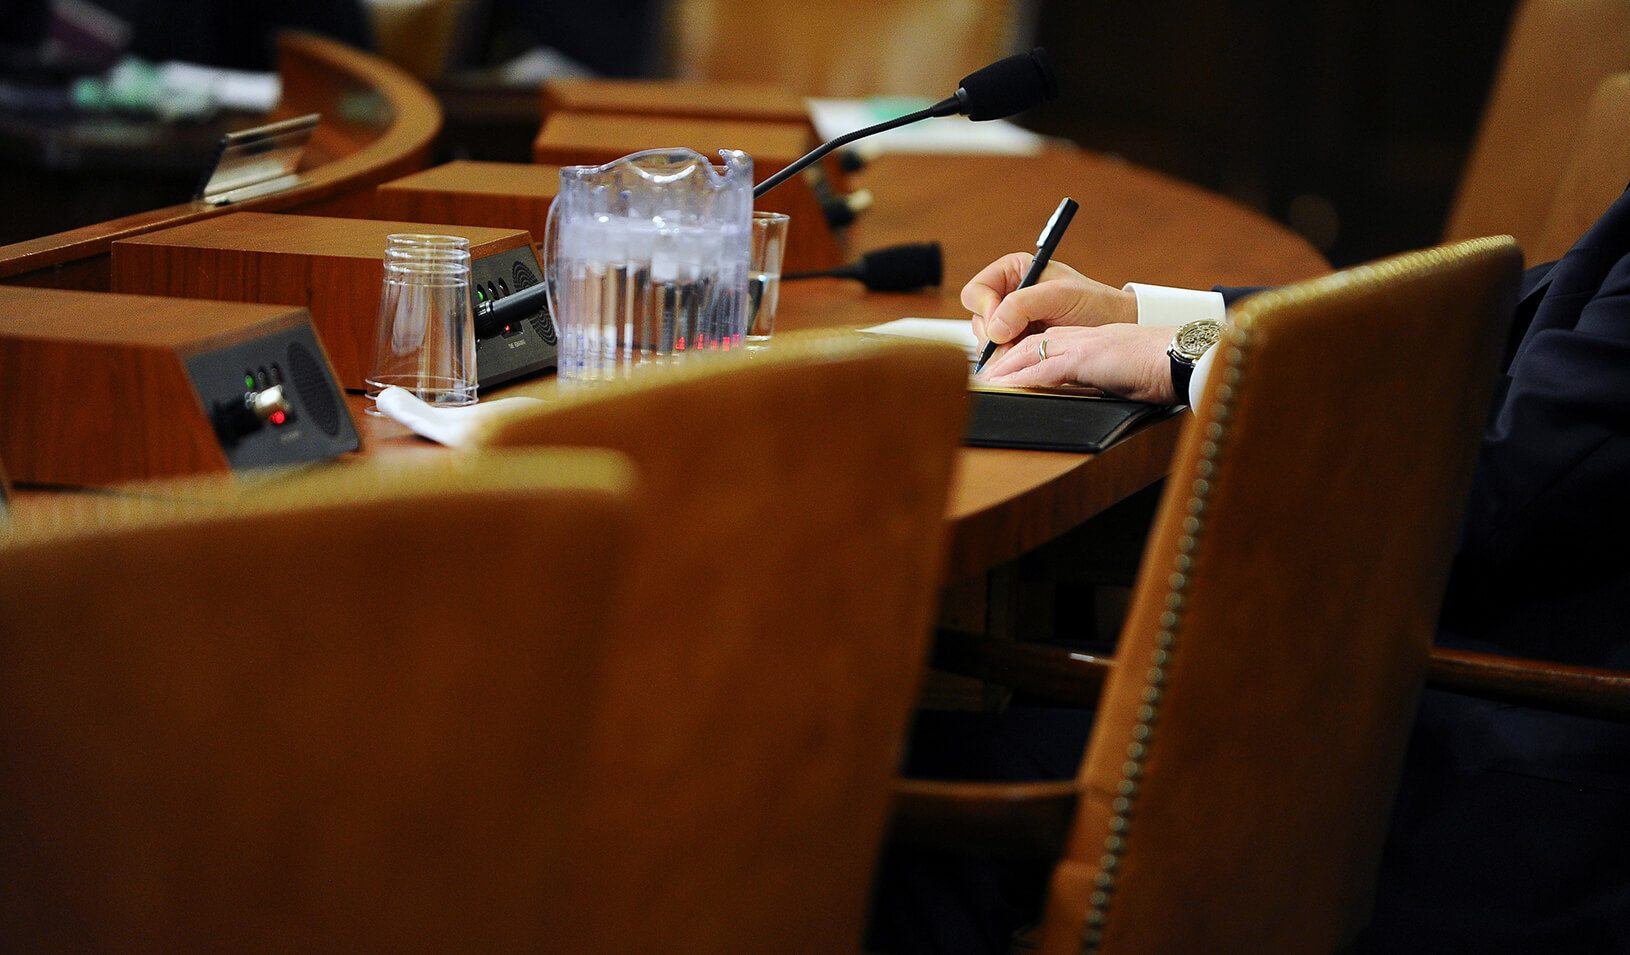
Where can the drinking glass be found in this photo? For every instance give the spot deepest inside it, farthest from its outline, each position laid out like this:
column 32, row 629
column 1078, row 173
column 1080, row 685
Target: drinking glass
column 426, row 330
column 764, row 275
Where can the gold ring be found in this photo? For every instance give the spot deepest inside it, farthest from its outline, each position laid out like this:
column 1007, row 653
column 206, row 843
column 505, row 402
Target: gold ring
column 1042, row 348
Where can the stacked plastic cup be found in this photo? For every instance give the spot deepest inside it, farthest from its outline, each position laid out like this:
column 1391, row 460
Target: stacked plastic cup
column 425, row 336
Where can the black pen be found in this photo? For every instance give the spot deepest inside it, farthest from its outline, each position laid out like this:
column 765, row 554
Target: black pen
column 1046, row 244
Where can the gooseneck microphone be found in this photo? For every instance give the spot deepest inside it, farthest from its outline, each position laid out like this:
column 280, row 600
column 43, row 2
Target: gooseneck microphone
column 1010, row 85
column 895, row 268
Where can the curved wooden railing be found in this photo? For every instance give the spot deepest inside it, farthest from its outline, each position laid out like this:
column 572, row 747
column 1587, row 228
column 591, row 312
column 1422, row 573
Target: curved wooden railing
column 377, row 124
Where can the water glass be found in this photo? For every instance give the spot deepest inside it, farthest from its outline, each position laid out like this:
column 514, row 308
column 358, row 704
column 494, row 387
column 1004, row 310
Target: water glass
column 426, row 330
column 764, row 275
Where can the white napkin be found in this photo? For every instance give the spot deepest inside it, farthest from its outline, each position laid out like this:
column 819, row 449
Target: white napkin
column 450, row 426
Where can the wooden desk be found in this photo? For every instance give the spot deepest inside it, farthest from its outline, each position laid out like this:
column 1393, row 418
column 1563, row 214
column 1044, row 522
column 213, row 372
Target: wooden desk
column 1133, row 224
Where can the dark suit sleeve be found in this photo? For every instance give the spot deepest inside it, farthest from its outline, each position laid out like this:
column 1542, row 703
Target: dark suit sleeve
column 1552, row 474
column 1232, row 294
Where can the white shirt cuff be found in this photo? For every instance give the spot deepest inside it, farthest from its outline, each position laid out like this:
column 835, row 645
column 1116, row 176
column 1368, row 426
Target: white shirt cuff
column 1159, row 305
column 1197, row 381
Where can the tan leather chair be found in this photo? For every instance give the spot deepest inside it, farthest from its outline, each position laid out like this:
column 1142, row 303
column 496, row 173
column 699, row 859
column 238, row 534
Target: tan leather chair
column 1557, row 52
column 774, row 641
column 1596, row 173
column 842, row 47
column 342, row 715
column 1236, row 788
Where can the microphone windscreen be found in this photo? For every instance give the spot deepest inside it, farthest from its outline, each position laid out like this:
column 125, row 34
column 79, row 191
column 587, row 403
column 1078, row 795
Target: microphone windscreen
column 1010, row 85
column 901, row 268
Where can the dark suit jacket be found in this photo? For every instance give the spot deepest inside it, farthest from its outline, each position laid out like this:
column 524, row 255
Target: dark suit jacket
column 1512, row 829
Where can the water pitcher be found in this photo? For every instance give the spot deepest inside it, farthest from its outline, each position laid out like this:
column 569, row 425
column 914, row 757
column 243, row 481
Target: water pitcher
column 647, row 259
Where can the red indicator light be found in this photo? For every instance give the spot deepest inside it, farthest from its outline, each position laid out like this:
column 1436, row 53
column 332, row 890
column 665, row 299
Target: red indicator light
column 506, row 329
column 679, row 344
column 279, row 417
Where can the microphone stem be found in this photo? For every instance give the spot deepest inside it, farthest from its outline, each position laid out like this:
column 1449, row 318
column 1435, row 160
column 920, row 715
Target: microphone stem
column 945, row 107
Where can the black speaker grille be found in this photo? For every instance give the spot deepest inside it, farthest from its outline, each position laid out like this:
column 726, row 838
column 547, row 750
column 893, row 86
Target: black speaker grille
column 316, row 394
column 523, row 278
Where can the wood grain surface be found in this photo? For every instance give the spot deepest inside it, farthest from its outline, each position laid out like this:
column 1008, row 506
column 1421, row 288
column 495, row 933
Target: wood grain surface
column 506, row 194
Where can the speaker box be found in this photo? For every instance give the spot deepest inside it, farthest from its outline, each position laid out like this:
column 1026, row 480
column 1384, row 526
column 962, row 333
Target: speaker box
column 577, row 139
column 506, row 195
column 99, row 389
column 333, row 267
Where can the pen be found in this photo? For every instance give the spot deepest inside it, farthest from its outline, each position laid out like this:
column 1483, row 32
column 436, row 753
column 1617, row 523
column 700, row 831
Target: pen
column 1046, row 243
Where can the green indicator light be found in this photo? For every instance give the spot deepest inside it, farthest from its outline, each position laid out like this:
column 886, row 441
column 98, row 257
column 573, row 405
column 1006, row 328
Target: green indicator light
column 479, row 296
column 249, row 382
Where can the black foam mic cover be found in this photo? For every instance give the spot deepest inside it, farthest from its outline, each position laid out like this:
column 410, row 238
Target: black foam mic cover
column 1008, row 86
column 901, row 268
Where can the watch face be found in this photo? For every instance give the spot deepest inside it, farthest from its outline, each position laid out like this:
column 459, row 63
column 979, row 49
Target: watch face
column 1194, row 338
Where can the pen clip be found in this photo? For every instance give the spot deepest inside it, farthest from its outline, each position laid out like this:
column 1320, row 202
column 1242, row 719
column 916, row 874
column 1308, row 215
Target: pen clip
column 1063, row 204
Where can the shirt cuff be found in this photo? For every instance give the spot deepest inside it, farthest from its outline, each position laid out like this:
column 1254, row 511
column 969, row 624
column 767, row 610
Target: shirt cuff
column 1202, row 370
column 1159, row 305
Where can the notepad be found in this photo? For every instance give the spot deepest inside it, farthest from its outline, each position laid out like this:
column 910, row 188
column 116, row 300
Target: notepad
column 945, row 135
column 957, row 331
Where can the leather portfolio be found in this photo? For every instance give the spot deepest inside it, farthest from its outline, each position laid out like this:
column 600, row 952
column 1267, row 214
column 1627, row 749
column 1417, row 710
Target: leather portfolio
column 1042, row 421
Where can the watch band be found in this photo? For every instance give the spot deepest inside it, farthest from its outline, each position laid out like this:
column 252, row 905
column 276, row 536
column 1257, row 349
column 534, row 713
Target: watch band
column 1182, row 374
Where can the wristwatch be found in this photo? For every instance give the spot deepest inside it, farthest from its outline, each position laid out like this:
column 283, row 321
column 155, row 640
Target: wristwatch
column 1190, row 342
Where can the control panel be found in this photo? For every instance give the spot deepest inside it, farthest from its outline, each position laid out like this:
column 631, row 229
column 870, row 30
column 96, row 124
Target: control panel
column 522, row 347
column 273, row 399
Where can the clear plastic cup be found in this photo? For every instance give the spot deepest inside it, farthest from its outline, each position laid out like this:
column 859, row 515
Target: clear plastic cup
column 425, row 337
column 764, row 275
column 410, row 244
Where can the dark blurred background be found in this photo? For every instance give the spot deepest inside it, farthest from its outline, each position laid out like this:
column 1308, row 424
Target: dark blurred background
column 1349, row 121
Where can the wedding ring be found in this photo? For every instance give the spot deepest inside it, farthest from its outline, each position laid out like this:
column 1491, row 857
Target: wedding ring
column 1042, row 348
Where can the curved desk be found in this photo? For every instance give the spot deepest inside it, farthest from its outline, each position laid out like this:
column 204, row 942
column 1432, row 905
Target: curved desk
column 1133, row 225
column 377, row 125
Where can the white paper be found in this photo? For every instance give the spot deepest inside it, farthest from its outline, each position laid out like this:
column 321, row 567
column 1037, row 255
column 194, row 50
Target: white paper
column 453, row 427
column 957, row 331
column 947, row 135
column 229, row 89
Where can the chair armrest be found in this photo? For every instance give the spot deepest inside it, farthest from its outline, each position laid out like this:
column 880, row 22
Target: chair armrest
column 1024, row 821
column 1582, row 691
column 1051, row 673
column 1059, row 676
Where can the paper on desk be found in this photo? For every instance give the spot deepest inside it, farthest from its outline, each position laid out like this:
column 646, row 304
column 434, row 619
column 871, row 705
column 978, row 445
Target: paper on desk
column 229, row 89
column 950, row 135
column 957, row 331
column 453, row 427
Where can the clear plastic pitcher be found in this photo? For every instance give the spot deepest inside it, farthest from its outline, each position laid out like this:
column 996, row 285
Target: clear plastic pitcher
column 647, row 260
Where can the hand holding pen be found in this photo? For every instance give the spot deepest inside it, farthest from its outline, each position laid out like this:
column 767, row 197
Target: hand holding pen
column 1046, row 244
